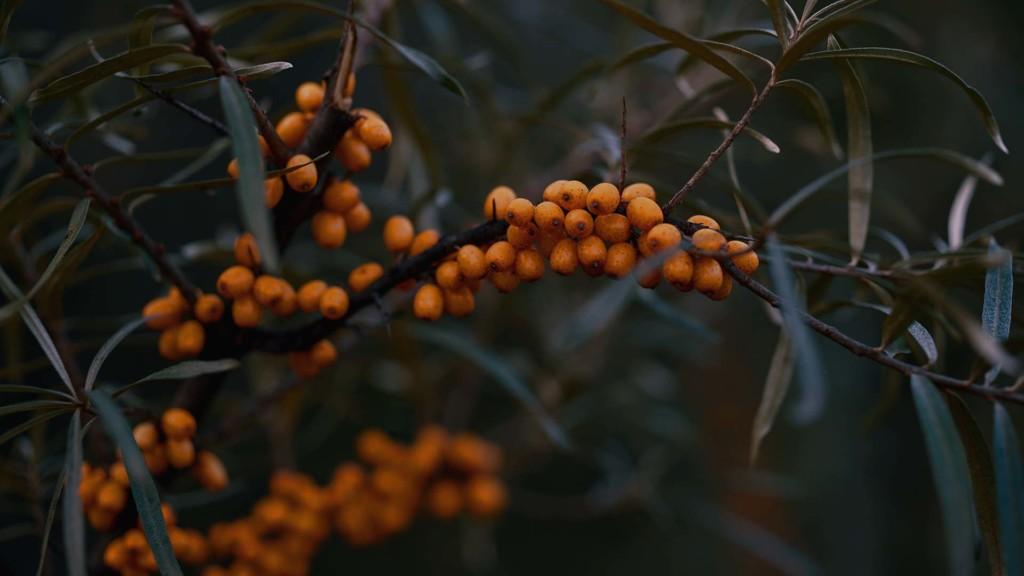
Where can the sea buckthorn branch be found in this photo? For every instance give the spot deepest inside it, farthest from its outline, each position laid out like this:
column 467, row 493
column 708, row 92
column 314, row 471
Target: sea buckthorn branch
column 204, row 47
column 192, row 111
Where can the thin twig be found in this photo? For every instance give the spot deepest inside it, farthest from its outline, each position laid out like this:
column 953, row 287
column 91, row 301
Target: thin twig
column 192, row 111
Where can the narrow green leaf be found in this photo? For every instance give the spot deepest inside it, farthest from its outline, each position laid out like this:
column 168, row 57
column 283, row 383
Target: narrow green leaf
column 35, row 326
column 147, row 499
column 983, row 481
column 73, row 519
column 107, row 348
column 76, row 81
column 816, row 103
column 1009, row 489
column 23, row 389
column 958, row 212
column 32, row 405
column 838, row 17
column 254, row 209
column 424, row 63
column 777, row 10
column 707, row 122
column 183, row 370
column 16, row 431
column 949, row 470
column 915, row 59
column 688, row 43
column 995, row 313
column 501, row 371
column 142, row 34
column 51, row 513
column 594, row 317
column 640, row 54
column 776, row 383
column 78, row 217
column 7, row 8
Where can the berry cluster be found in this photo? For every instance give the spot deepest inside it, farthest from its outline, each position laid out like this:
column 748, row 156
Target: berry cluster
column 180, row 336
column 130, row 554
column 171, row 446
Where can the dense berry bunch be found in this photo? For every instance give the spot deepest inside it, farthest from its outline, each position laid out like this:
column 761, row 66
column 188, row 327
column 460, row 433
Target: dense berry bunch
column 171, row 446
column 130, row 554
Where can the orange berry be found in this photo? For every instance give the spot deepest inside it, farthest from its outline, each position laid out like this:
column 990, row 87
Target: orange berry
column 334, row 302
column 443, row 500
column 549, row 216
column 744, row 258
column 637, row 190
column 472, row 262
column 309, row 96
column 161, row 313
column 546, row 242
column 703, row 220
column 504, row 280
column 579, row 223
column 267, row 289
column 592, row 254
column 111, row 496
column 264, row 147
column 170, row 518
column 246, row 312
column 353, row 153
column 497, row 201
column 612, row 228
column 551, row 191
column 235, row 282
column 603, row 199
column 358, row 218
column 519, row 212
column 459, row 301
column 232, row 168
column 501, row 256
column 424, row 241
column 177, row 299
column 119, row 474
column 649, row 279
column 156, row 459
column 247, row 252
column 323, row 353
column 309, row 295
column 470, row 454
column 398, row 233
column 572, row 195
column 564, row 257
column 329, row 229
column 375, row 132
column 375, row 447
column 190, row 338
column 209, row 308
column 707, row 275
column 364, row 275
column 678, row 271
column 662, row 236
column 178, row 424
column 273, row 190
column 146, row 435
column 620, row 260
column 428, row 304
column 449, row 276
column 303, row 177
column 485, row 496
column 724, row 290
column 708, row 240
column 529, row 265
column 115, row 555
column 101, row 519
column 522, row 237
column 180, row 453
column 644, row 213
column 167, row 344
column 340, row 196
column 292, row 129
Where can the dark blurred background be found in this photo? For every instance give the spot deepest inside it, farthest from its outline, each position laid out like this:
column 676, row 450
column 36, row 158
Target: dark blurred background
column 657, row 391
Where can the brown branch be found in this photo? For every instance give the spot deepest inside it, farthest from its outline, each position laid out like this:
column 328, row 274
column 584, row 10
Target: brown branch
column 204, row 47
column 192, row 111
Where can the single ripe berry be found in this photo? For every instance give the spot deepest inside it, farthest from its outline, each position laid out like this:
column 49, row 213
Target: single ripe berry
column 287, row 303
column 637, row 190
column 358, row 218
column 612, row 228
column 459, row 301
column 161, row 313
column 111, row 496
column 309, row 295
column 398, row 233
column 424, row 241
column 329, row 229
column 603, row 199
column 549, row 216
column 472, row 262
column 708, row 240
column 620, row 260
column 592, row 254
column 449, row 276
column 178, row 424
column 522, row 237
column 644, row 213
column 190, row 338
column 323, row 353
column 678, row 271
column 264, row 147
column 180, row 453
column 529, row 265
column 707, row 275
column 146, row 435
column 273, row 190
column 485, row 496
column 572, row 195
column 723, row 291
column 497, row 201
column 519, row 212
column 564, row 257
column 504, row 280
column 247, row 253
column 268, row 289
column 551, row 191
column 235, row 282
column 167, row 344
column 246, row 312
column 303, row 177
column 119, row 474
column 579, row 223
column 353, row 153
column 210, row 472
column 428, row 304
column 662, row 236
column 501, row 256
column 443, row 500
column 334, row 303
column 375, row 132
column 309, row 96
column 706, row 221
column 340, row 196
column 364, row 275
column 744, row 258
column 292, row 129
column 232, row 168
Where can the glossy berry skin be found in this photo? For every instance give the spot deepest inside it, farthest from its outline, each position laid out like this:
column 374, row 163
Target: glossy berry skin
column 303, row 177
column 428, row 304
column 292, row 129
column 358, row 218
column 743, row 258
column 549, row 216
column 661, row 237
column 522, row 237
column 564, row 258
column 247, row 253
column 364, row 275
column 723, row 291
column 374, row 132
column 472, row 262
column 551, row 191
column 707, row 275
column 309, row 295
column 603, row 199
column 501, row 256
column 592, row 253
column 572, row 195
column 519, row 212
column 334, row 303
column 579, row 224
column 448, row 275
column 161, row 313
column 678, row 271
column 424, row 241
column 323, row 353
column 329, row 229
column 704, row 221
column 644, row 213
column 497, row 201
column 190, row 338
column 620, row 259
column 353, row 153
column 273, row 191
column 529, row 265
column 504, row 281
column 398, row 233
column 612, row 228
column 235, row 282
column 246, row 312
column 637, row 190
column 178, row 424
column 708, row 240
column 459, row 301
column 340, row 196
column 309, row 96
